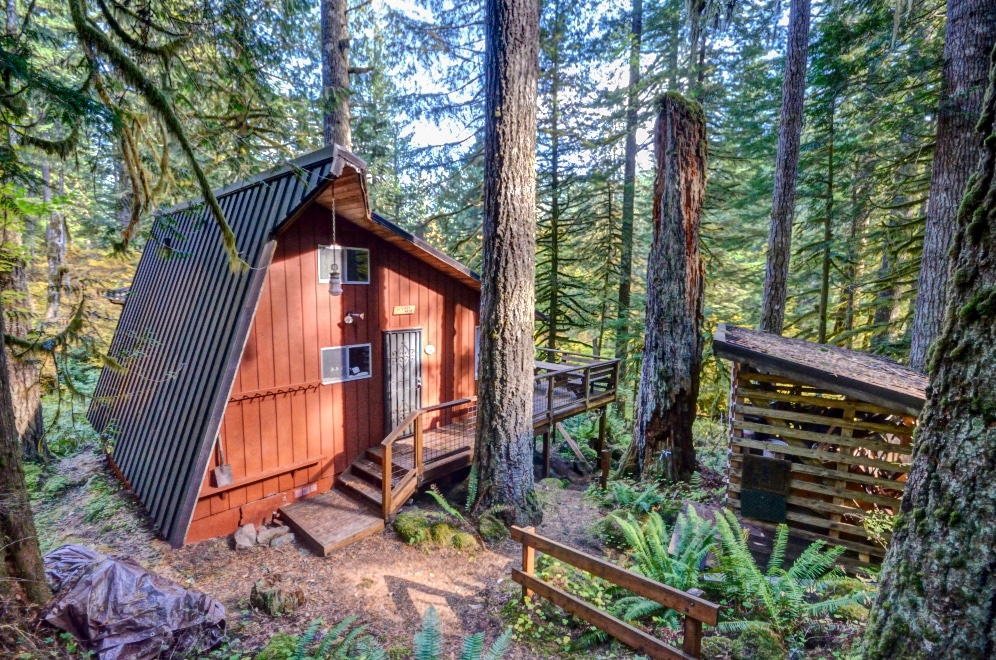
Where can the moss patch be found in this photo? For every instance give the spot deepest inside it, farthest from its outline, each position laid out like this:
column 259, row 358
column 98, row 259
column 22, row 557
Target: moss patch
column 491, row 528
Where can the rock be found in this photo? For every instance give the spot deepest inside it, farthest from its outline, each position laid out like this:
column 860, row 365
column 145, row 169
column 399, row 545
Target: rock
column 552, row 483
column 414, row 526
column 491, row 528
column 464, row 541
column 245, row 537
column 267, row 534
column 442, row 533
column 274, row 596
column 282, row 540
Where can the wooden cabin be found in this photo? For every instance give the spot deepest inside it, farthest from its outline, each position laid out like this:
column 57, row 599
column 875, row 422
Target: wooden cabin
column 820, row 437
column 248, row 393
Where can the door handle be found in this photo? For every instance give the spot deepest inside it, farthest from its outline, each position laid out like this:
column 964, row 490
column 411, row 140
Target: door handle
column 418, row 382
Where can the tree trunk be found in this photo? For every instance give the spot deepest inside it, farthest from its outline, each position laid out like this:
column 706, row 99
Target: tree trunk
column 554, row 275
column 672, row 353
column 55, row 244
column 969, row 35
column 786, row 169
column 936, row 596
column 505, row 389
column 629, row 193
column 335, row 73
column 824, row 311
column 19, row 550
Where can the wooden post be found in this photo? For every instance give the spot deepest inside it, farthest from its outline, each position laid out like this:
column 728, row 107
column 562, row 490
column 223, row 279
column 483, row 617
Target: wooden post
column 528, row 561
column 586, row 383
column 606, row 459
column 386, row 475
column 692, row 645
column 603, row 422
column 546, row 452
column 419, row 457
column 550, row 388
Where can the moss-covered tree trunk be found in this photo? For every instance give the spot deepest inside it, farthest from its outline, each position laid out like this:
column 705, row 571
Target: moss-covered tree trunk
column 505, row 387
column 672, row 352
column 20, row 555
column 937, row 597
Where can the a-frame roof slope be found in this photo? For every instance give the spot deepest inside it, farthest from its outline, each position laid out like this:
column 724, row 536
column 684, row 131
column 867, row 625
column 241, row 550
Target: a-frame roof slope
column 183, row 328
column 187, row 316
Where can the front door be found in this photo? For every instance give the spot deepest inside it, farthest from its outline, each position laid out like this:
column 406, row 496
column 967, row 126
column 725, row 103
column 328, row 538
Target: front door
column 403, row 377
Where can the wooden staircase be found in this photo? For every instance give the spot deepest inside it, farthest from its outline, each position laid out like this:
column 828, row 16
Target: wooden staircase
column 364, row 480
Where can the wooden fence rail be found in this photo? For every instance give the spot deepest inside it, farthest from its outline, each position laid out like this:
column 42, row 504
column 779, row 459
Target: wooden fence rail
column 696, row 610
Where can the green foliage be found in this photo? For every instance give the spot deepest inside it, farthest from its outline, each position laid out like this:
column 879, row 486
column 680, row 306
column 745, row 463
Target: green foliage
column 444, row 503
column 491, row 528
column 415, row 525
column 649, row 555
column 622, row 494
column 879, row 524
column 786, row 602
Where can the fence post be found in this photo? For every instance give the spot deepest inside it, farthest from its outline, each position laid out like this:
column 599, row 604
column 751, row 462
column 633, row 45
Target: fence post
column 692, row 645
column 605, row 456
column 528, row 560
column 386, row 475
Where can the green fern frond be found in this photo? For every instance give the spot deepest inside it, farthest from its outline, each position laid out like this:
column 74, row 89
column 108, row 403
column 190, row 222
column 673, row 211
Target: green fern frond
column 472, row 484
column 429, row 640
column 588, row 640
column 499, row 647
column 306, row 640
column 369, row 649
column 332, row 636
column 778, row 550
column 444, row 504
column 344, row 647
column 473, row 646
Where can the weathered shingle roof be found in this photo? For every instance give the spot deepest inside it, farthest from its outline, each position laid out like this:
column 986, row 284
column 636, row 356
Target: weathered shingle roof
column 866, row 377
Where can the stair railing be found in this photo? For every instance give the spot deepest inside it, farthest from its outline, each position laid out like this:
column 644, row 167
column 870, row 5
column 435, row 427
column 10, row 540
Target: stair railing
column 391, row 493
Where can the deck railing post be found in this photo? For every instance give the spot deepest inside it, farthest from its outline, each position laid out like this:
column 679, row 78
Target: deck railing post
column 419, row 458
column 550, row 389
column 528, row 560
column 387, row 474
column 586, row 383
column 605, row 455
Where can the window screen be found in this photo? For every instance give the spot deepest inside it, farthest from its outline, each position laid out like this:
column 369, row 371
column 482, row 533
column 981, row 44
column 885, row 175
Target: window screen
column 354, row 264
column 345, row 363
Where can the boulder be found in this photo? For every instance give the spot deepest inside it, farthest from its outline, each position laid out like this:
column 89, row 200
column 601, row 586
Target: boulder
column 275, row 596
column 245, row 537
column 267, row 534
column 282, row 540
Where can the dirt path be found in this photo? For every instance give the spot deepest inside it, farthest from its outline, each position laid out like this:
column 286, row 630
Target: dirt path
column 384, row 581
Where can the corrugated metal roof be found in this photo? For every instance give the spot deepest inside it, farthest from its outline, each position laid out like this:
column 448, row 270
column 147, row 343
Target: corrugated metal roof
column 186, row 319
column 182, row 331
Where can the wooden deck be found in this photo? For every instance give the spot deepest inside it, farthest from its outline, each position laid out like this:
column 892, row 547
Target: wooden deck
column 324, row 523
column 432, row 443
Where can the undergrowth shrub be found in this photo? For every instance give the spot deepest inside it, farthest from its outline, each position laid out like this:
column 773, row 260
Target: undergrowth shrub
column 347, row 641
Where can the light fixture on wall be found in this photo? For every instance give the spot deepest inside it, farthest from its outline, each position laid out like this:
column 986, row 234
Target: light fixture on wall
column 335, row 278
column 353, row 315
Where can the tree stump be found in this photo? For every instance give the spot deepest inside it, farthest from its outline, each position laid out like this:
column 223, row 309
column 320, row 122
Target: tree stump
column 274, row 596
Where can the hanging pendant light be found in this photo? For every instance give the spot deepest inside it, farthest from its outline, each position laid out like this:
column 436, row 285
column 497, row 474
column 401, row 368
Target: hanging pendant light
column 335, row 278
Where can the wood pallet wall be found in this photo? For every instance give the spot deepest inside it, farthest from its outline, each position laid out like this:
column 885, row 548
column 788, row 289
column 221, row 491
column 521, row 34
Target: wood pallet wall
column 849, row 458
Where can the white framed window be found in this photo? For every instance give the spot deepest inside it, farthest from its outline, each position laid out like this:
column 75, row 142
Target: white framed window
column 354, row 264
column 342, row 363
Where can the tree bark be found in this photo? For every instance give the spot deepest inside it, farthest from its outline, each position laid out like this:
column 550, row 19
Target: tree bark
column 19, row 550
column 672, row 353
column 55, row 246
column 629, row 193
column 969, row 35
column 553, row 280
column 824, row 309
column 937, row 595
column 335, row 73
column 786, row 169
column 505, row 388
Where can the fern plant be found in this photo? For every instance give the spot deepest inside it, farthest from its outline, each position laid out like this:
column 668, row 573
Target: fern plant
column 784, row 601
column 344, row 642
column 649, row 545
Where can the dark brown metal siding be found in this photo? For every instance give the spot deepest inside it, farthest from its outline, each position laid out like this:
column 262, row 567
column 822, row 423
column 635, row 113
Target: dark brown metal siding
column 191, row 308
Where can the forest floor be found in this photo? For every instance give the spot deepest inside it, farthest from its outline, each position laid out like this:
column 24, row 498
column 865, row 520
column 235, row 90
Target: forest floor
column 385, row 582
column 388, row 583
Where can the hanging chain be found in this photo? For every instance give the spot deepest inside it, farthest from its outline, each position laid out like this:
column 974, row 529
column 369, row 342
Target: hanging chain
column 335, row 246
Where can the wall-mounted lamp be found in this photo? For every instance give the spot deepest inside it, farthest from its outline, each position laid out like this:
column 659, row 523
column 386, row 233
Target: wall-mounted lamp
column 351, row 315
column 335, row 280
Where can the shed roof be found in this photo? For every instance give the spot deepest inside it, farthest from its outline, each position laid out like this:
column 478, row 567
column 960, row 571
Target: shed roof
column 187, row 317
column 863, row 376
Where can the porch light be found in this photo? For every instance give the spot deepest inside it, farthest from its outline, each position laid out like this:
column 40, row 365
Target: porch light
column 335, row 279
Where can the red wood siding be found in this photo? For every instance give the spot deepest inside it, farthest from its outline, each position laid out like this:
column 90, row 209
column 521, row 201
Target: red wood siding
column 295, row 319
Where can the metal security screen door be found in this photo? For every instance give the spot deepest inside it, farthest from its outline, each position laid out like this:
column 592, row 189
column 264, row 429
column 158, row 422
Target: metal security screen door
column 403, row 377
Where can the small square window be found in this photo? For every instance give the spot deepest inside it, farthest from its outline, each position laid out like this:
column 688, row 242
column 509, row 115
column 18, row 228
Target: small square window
column 354, row 264
column 344, row 363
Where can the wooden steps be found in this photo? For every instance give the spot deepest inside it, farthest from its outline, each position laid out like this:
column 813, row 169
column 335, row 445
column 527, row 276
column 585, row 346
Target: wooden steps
column 324, row 523
column 362, row 489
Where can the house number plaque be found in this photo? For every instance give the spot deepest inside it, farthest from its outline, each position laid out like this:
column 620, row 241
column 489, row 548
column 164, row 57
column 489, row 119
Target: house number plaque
column 401, row 310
